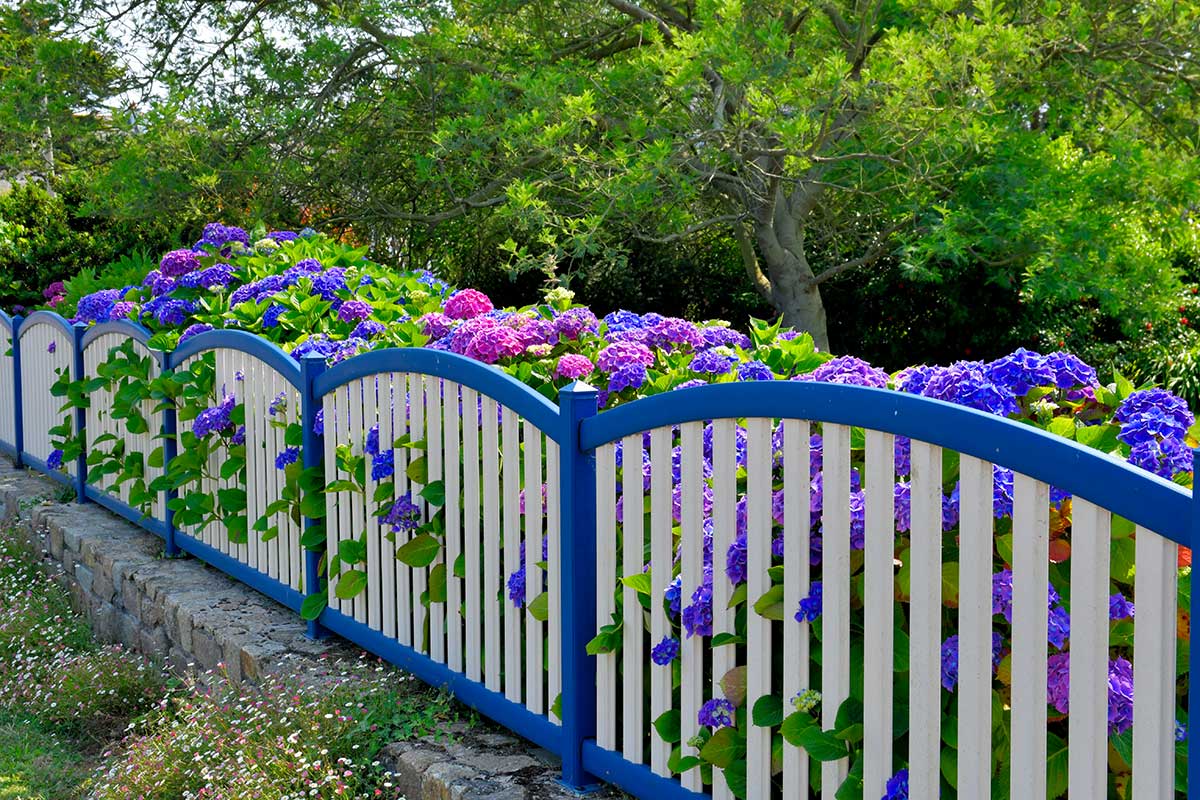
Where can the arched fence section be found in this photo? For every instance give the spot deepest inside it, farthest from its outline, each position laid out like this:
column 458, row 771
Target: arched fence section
column 443, row 515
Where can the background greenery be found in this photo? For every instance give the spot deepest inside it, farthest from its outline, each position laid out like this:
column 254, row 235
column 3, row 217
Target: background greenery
column 932, row 181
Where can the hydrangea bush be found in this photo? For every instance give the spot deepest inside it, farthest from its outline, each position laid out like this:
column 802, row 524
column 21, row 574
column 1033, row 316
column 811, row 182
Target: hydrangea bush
column 311, row 295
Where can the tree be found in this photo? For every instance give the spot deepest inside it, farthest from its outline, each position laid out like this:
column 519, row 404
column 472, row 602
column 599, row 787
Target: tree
column 828, row 138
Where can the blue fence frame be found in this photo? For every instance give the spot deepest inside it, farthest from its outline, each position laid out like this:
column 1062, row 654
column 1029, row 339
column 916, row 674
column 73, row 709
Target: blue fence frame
column 573, row 423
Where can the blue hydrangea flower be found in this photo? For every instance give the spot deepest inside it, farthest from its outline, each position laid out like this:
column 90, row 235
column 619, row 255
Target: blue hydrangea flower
column 55, row 459
column 1119, row 608
column 630, row 376
column 216, row 419
column 1021, row 371
column 674, row 596
column 289, row 455
column 697, row 618
column 403, row 515
column 754, row 371
column 367, row 328
column 194, row 330
column 717, row 713
column 383, row 465
column 735, row 560
column 897, row 786
column 665, row 651
column 810, row 606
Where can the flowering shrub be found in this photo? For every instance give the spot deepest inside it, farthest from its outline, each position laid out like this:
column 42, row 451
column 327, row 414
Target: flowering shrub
column 313, row 296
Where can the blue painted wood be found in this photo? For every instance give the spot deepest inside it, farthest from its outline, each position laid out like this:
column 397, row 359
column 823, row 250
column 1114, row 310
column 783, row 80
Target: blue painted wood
column 494, row 705
column 126, row 511
column 637, row 779
column 52, row 318
column 243, row 341
column 279, row 592
column 313, row 453
column 1129, row 491
column 77, row 332
column 488, row 380
column 125, row 327
column 18, row 408
column 577, row 482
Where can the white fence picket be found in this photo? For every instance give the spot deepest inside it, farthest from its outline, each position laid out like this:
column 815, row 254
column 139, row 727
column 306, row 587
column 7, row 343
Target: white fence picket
column 454, row 584
column 661, row 559
column 472, row 544
column 1088, row 694
column 492, row 583
column 797, row 524
column 1155, row 594
column 724, row 516
column 553, row 580
column 924, row 728
column 835, row 595
column 433, row 437
column 975, row 628
column 8, row 410
column 1031, row 538
column 759, row 458
column 606, row 578
column 878, row 620
column 691, row 542
column 535, row 671
column 511, row 508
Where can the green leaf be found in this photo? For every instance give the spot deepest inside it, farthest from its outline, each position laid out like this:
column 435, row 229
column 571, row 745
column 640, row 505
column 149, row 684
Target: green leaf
column 419, row 551
column 794, row 725
column 1062, row 426
column 723, row 748
column 352, row 551
column 770, row 605
column 313, row 605
column 437, row 584
column 351, row 583
column 735, row 778
column 539, row 607
column 418, row 470
column 639, row 582
column 726, row 638
column 822, row 745
column 1056, row 766
column 435, row 493
column 667, row 726
column 768, row 711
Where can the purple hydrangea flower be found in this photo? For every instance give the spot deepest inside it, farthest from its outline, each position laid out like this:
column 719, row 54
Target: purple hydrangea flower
column 618, row 354
column 1120, row 696
column 178, row 262
column 50, row 348
column 403, row 515
column 193, row 330
column 216, row 419
column 435, row 325
column 630, row 376
column 721, row 336
column 717, row 713
column 574, row 322
column 367, row 328
column 492, row 344
column 1021, row 371
column 1119, row 608
column 713, row 362
column 354, row 310
column 328, row 283
column 697, row 618
column 1058, row 681
column 967, row 384
column 97, row 306
column 848, row 370
column 1070, row 372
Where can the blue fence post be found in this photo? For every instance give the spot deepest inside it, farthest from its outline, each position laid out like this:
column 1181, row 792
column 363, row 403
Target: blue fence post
column 18, row 408
column 78, row 330
column 313, row 454
column 170, row 449
column 577, row 481
column 1193, row 739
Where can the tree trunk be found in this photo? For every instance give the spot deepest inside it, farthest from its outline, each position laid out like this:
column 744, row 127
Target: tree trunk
column 792, row 290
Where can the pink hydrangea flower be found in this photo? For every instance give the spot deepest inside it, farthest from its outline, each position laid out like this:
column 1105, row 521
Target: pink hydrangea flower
column 573, row 367
column 467, row 304
column 436, row 324
column 492, row 344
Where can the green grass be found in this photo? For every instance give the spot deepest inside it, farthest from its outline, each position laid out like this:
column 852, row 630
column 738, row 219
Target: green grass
column 35, row 763
column 81, row 720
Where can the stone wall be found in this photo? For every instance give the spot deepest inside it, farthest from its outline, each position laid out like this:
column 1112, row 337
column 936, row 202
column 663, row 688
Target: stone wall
column 196, row 619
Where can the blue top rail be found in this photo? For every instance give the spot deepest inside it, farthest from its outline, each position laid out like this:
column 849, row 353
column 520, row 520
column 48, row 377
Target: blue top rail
column 125, row 327
column 468, row 372
column 243, row 341
column 1141, row 497
column 50, row 318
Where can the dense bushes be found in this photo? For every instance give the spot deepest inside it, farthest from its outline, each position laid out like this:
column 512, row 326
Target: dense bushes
column 315, row 296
